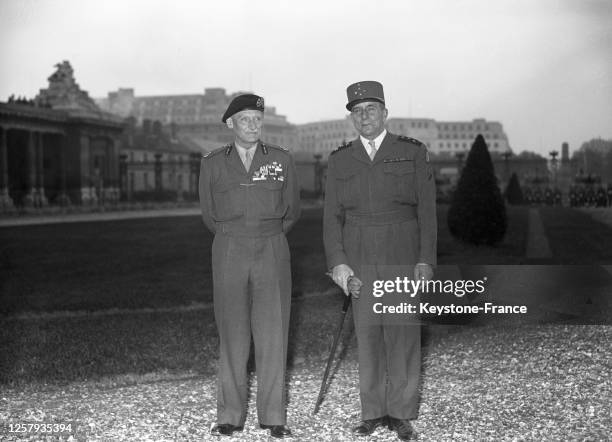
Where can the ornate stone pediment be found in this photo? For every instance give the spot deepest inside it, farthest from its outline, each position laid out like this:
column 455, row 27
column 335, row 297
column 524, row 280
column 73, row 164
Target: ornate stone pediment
column 64, row 92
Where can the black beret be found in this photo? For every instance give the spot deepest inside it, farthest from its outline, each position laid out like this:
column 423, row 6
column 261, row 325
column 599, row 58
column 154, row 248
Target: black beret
column 242, row 102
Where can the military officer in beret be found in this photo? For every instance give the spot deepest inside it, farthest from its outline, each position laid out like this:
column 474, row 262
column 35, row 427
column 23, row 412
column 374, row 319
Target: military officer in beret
column 250, row 199
column 380, row 216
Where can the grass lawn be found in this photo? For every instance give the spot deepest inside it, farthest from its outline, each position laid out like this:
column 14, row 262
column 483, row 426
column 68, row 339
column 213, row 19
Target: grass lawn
column 577, row 238
column 162, row 262
column 510, row 251
column 153, row 262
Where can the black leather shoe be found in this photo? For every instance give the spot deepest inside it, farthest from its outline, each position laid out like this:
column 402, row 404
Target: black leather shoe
column 367, row 427
column 277, row 431
column 224, row 429
column 403, row 428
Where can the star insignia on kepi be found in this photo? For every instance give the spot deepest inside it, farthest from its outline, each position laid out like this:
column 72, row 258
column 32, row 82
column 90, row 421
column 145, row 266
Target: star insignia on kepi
column 260, row 102
column 359, row 91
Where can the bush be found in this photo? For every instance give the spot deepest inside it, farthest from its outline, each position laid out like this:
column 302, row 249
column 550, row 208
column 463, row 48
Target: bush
column 477, row 213
column 514, row 194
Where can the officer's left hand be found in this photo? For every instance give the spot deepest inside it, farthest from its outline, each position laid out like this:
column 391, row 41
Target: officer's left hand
column 423, row 271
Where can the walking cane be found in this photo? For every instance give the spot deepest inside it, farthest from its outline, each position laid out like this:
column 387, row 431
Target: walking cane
column 354, row 284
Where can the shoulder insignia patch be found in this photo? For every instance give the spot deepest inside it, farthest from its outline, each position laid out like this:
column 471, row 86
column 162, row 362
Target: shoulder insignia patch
column 265, row 147
column 216, row 151
column 342, row 147
column 409, row 140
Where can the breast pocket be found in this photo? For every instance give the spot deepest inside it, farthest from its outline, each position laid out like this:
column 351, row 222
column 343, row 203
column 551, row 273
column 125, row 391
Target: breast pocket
column 268, row 196
column 400, row 180
column 348, row 186
column 229, row 201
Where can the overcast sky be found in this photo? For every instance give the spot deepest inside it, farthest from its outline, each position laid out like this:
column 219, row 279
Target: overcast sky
column 543, row 68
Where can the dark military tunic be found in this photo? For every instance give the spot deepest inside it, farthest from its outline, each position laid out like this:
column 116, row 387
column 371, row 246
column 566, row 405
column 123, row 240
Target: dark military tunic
column 250, row 213
column 380, row 219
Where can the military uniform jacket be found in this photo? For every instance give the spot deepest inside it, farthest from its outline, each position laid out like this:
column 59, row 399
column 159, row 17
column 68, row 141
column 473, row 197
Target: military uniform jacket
column 265, row 195
column 398, row 184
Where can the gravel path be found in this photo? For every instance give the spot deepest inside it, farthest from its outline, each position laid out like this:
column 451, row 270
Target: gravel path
column 535, row 382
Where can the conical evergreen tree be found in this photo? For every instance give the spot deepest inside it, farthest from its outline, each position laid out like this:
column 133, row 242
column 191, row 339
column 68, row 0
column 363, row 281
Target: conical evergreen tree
column 477, row 213
column 514, row 194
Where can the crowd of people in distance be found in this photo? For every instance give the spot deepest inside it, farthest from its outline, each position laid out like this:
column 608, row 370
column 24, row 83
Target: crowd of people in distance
column 590, row 196
column 578, row 196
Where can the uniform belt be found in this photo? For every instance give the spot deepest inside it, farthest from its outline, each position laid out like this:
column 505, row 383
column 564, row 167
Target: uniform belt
column 263, row 228
column 406, row 213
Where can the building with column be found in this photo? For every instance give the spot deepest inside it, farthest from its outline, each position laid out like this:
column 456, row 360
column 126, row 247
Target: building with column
column 58, row 148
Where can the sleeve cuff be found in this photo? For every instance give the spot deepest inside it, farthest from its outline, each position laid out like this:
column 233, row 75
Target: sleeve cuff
column 336, row 259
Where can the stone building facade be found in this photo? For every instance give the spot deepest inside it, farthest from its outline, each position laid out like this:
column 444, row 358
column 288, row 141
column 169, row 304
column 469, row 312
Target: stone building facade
column 444, row 139
column 155, row 163
column 196, row 116
column 58, row 148
column 458, row 136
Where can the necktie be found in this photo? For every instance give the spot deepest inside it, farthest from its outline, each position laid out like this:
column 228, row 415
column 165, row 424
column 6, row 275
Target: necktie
column 372, row 149
column 248, row 157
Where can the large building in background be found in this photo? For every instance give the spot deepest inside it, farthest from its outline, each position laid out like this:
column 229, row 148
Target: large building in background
column 458, row 136
column 195, row 122
column 197, row 117
column 322, row 137
column 445, row 139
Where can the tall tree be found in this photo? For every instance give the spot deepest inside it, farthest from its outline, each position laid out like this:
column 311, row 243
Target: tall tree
column 477, row 213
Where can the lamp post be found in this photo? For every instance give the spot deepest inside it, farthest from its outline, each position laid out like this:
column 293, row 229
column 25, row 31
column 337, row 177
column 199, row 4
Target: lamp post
column 553, row 165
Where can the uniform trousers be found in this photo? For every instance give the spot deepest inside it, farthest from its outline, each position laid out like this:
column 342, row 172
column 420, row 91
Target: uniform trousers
column 389, row 348
column 252, row 297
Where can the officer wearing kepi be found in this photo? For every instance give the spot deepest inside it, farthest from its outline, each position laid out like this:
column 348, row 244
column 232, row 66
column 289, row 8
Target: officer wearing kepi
column 250, row 199
column 380, row 216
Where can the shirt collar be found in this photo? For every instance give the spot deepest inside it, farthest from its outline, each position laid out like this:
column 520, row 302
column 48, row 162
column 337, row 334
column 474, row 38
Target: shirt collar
column 242, row 151
column 377, row 141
